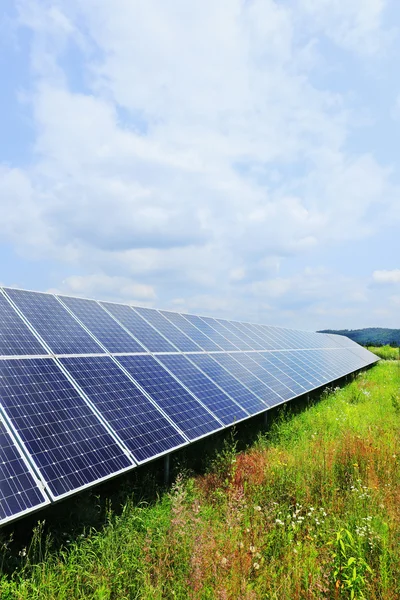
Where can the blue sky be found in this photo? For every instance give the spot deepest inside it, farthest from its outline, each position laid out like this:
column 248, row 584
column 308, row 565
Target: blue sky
column 236, row 158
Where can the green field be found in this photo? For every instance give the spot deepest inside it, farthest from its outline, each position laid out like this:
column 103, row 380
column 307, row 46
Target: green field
column 310, row 510
column 385, row 352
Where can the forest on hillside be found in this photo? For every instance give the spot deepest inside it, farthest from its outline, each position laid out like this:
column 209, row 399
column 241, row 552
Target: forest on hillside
column 370, row 336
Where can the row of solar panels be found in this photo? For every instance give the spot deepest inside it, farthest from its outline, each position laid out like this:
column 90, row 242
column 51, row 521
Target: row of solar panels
column 120, row 390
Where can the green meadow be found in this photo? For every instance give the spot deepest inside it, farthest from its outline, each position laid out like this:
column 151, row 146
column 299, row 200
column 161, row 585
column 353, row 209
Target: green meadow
column 310, row 509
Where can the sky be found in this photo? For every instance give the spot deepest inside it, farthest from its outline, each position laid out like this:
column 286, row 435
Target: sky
column 236, row 158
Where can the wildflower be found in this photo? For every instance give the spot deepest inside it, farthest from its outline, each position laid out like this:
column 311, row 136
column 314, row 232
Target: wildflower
column 257, row 508
column 279, row 522
column 22, row 552
column 256, row 566
column 224, row 561
column 252, row 549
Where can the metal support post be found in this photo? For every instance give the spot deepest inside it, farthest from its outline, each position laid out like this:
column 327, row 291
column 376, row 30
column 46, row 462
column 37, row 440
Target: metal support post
column 266, row 418
column 166, row 469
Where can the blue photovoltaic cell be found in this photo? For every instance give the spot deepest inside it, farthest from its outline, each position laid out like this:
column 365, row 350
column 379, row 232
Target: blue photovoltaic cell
column 145, row 333
column 102, row 326
column 61, row 332
column 260, row 336
column 184, row 325
column 172, row 333
column 239, row 343
column 140, row 425
column 15, row 336
column 249, row 340
column 305, row 380
column 266, row 394
column 266, row 360
column 184, row 410
column 216, row 337
column 236, row 390
column 266, row 377
column 66, row 440
column 203, row 388
column 19, row 492
column 292, row 360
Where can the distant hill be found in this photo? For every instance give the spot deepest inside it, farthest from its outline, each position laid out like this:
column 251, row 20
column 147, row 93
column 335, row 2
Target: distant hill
column 371, row 336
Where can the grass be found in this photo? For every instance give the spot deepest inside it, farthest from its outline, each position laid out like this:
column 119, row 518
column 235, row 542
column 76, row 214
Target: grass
column 385, row 352
column 310, row 510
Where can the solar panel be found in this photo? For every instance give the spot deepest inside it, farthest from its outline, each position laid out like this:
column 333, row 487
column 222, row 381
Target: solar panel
column 145, row 333
column 190, row 416
column 236, row 390
column 66, row 441
column 141, row 426
column 128, row 385
column 60, row 331
column 15, row 336
column 184, row 325
column 216, row 337
column 246, row 360
column 106, row 329
column 224, row 407
column 250, row 340
column 259, row 388
column 239, row 343
column 267, row 360
column 19, row 489
column 168, row 329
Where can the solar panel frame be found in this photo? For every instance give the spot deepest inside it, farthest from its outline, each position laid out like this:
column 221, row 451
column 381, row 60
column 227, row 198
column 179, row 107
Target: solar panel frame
column 198, row 322
column 201, row 339
column 194, row 405
column 139, row 328
column 19, row 299
column 227, row 333
column 110, row 347
column 166, row 328
column 245, row 376
column 199, row 361
column 10, row 442
column 90, row 416
column 10, row 317
column 177, row 370
column 118, row 392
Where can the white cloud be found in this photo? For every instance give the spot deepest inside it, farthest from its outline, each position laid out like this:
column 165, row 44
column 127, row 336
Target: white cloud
column 386, row 276
column 198, row 154
column 354, row 24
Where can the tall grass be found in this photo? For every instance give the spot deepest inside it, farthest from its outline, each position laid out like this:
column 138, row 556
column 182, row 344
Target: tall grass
column 385, row 352
column 311, row 510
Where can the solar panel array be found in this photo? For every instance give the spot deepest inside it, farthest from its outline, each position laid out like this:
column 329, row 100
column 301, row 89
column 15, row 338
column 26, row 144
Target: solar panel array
column 92, row 389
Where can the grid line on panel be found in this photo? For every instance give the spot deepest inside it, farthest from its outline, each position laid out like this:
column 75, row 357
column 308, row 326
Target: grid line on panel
column 51, row 320
column 147, row 335
column 216, row 337
column 213, row 397
column 137, row 422
column 246, row 360
column 190, row 330
column 174, row 335
column 228, row 382
column 183, row 408
column 267, row 361
column 15, row 336
column 113, row 336
column 19, row 489
column 242, row 335
column 227, row 333
column 258, row 387
column 68, row 444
